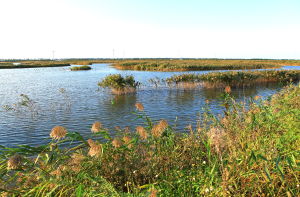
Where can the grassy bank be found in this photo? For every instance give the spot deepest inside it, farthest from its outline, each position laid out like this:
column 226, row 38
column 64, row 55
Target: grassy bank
column 236, row 79
column 251, row 152
column 200, row 64
column 32, row 64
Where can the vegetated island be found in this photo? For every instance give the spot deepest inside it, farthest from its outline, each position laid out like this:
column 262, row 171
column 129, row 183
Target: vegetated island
column 164, row 64
column 242, row 152
column 120, row 84
column 78, row 68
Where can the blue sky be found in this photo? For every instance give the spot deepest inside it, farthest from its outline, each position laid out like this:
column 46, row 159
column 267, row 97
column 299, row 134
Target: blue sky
column 132, row 28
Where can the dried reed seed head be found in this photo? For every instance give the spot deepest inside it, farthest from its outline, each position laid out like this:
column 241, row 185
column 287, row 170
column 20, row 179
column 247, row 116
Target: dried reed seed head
column 96, row 127
column 14, row 162
column 126, row 139
column 163, row 124
column 116, row 143
column 91, row 142
column 217, row 138
column 77, row 158
column 142, row 132
column 227, row 89
column 95, row 150
column 155, row 131
column 139, row 106
column 58, row 132
column 159, row 128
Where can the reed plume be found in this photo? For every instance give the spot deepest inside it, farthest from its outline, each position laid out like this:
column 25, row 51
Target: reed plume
column 95, row 148
column 139, row 106
column 142, row 132
column 127, row 141
column 117, row 143
column 58, row 132
column 96, row 127
column 159, row 128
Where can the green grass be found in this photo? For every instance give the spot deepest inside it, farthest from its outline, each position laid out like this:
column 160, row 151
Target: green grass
column 252, row 152
column 234, row 78
column 77, row 68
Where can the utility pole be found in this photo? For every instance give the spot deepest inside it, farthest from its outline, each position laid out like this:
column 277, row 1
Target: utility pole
column 53, row 53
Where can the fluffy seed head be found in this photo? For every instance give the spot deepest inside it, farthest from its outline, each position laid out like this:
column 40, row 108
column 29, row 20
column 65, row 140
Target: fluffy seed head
column 96, row 127
column 139, row 106
column 217, row 139
column 58, row 132
column 142, row 132
column 228, row 89
column 127, row 140
column 14, row 162
column 95, row 148
column 116, row 143
column 159, row 128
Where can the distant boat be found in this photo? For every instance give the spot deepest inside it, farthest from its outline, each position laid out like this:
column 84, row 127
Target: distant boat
column 16, row 64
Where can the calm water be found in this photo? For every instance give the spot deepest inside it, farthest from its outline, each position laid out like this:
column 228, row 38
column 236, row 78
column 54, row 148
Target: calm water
column 73, row 100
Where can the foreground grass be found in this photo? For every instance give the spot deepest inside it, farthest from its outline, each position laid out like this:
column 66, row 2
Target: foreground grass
column 251, row 152
column 236, row 79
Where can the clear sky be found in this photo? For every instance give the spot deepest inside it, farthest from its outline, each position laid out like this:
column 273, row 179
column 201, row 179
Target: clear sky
column 153, row 28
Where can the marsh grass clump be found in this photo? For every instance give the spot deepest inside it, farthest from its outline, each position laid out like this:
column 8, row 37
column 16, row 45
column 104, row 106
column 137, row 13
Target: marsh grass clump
column 77, row 68
column 119, row 84
column 246, row 152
